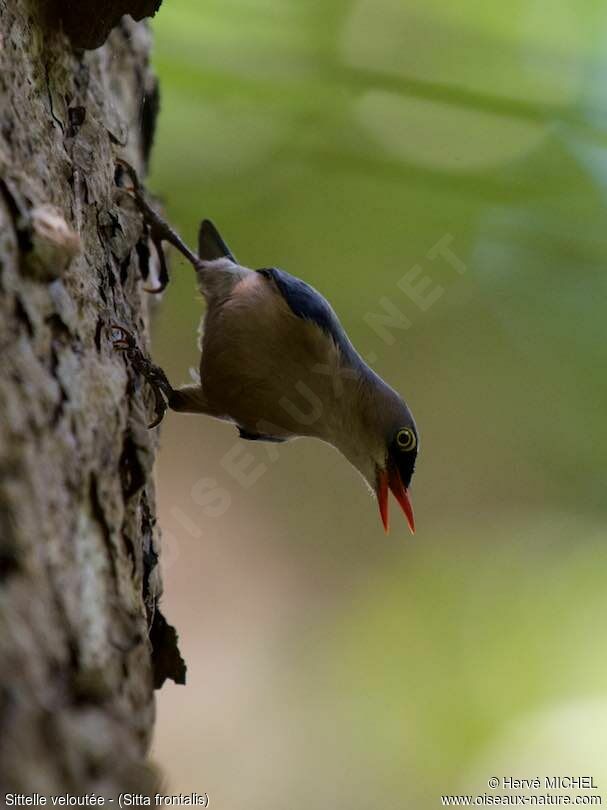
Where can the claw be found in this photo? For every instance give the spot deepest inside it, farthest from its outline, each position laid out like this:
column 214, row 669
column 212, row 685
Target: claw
column 155, row 377
column 131, row 174
column 124, row 341
column 159, row 230
column 158, row 419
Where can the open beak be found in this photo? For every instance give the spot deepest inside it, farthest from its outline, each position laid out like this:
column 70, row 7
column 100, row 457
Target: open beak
column 390, row 479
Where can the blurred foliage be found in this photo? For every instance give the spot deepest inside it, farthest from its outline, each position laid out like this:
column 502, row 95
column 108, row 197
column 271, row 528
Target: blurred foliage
column 342, row 141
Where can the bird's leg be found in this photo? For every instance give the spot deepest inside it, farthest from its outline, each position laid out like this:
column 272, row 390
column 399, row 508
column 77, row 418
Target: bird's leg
column 187, row 399
column 155, row 377
column 160, row 230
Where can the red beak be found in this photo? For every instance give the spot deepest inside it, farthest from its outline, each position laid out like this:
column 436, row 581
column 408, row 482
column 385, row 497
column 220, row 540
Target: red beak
column 390, row 478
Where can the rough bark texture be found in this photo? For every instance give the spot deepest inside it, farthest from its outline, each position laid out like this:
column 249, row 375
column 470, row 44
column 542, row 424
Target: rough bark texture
column 79, row 579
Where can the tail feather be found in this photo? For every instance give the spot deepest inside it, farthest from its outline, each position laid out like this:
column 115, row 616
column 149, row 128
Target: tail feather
column 210, row 243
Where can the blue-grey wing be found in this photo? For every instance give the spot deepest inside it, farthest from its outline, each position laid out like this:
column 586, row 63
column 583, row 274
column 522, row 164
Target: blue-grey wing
column 307, row 303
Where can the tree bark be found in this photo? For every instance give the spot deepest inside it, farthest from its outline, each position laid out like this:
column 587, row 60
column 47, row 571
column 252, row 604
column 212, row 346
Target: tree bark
column 82, row 641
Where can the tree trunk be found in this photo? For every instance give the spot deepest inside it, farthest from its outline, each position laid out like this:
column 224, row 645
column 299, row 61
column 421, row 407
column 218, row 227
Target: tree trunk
column 82, row 642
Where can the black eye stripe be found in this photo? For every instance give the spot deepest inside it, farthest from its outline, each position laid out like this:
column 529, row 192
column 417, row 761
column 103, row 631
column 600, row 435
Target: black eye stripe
column 405, row 439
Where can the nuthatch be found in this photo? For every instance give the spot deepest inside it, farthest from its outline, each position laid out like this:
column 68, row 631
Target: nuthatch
column 277, row 363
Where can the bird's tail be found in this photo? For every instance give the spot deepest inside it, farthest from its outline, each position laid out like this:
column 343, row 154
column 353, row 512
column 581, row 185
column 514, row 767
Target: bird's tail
column 210, row 243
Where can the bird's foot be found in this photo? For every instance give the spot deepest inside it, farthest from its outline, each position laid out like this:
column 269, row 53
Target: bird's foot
column 123, row 341
column 159, row 230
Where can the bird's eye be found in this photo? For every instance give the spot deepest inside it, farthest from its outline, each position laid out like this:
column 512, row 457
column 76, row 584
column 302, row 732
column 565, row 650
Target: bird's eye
column 405, row 439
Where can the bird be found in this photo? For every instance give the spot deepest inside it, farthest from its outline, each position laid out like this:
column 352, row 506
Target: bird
column 277, row 363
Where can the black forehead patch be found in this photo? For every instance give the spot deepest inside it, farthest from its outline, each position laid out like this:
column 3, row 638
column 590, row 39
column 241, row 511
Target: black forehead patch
column 308, row 304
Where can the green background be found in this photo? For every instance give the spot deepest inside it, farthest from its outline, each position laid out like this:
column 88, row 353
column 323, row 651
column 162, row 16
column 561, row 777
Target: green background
column 330, row 664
